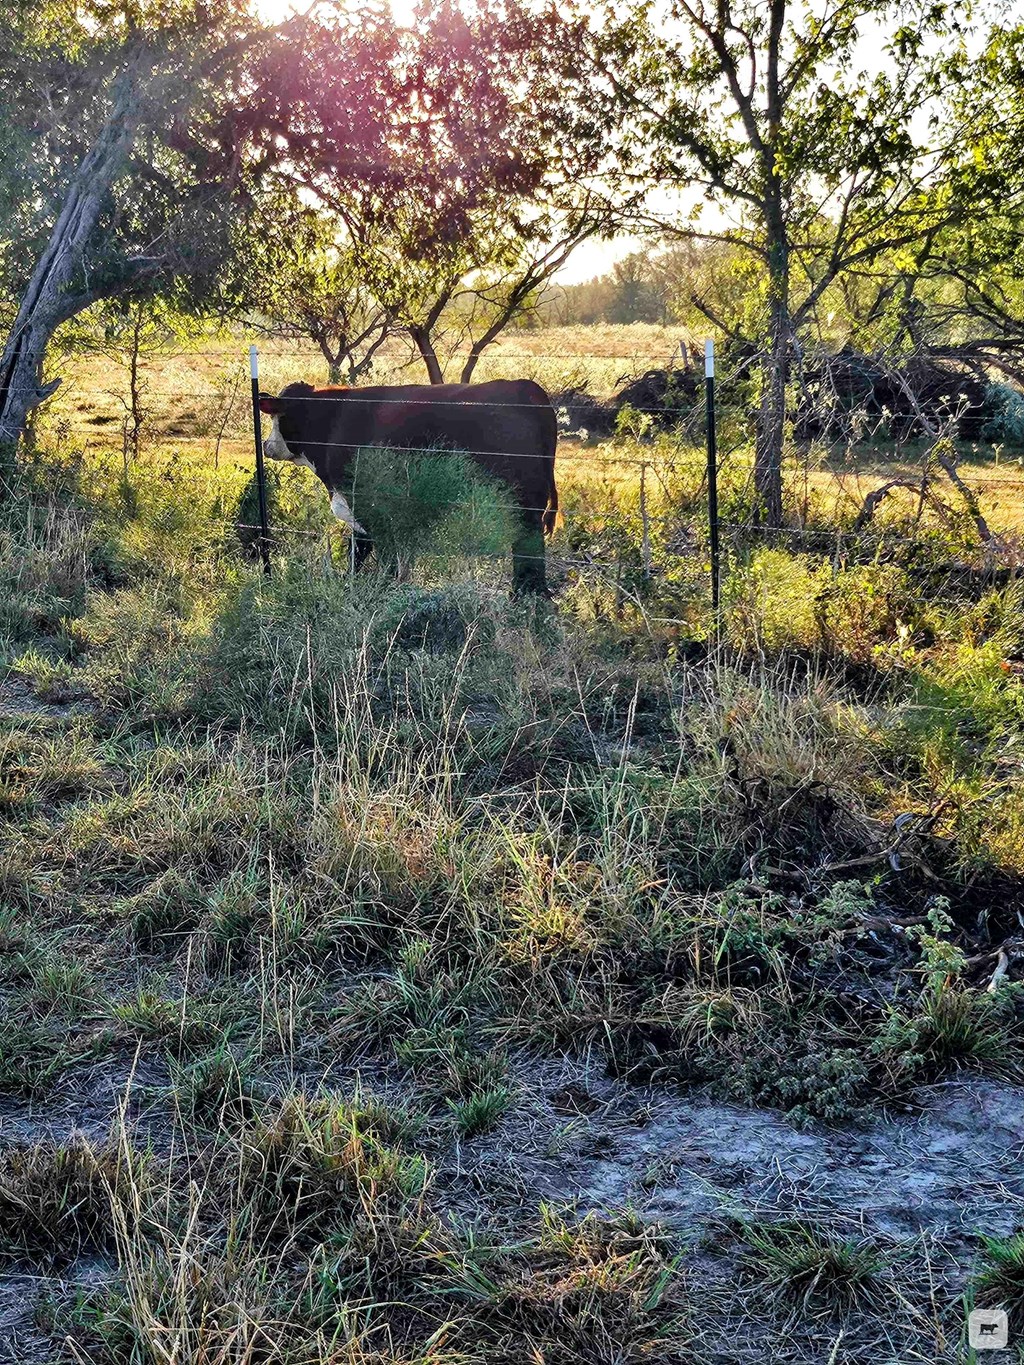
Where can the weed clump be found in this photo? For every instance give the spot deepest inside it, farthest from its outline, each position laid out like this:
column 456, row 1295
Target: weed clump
column 586, row 1290
column 310, row 1165
column 432, row 502
column 799, row 1261
column 56, row 1201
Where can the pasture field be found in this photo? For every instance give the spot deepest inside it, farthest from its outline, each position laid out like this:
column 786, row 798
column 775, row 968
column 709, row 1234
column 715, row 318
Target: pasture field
column 398, row 973
column 194, row 406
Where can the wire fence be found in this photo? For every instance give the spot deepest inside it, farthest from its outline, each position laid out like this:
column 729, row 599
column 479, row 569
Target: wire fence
column 658, row 499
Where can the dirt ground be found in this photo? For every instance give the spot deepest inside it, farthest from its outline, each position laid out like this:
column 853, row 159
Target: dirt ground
column 922, row 1185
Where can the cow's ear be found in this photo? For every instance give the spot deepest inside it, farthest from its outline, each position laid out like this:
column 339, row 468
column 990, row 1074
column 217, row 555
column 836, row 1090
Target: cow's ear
column 272, row 406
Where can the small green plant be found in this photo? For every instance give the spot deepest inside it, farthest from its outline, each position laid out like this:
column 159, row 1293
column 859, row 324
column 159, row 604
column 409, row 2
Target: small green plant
column 1000, row 1278
column 954, row 1023
column 214, row 1086
column 308, row 1166
column 799, row 1261
column 804, row 1076
column 62, row 981
column 150, row 1015
column 164, row 915
column 32, row 1055
column 481, row 1112
column 633, row 423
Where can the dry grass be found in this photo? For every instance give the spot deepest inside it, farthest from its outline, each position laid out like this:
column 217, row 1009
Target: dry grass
column 312, row 865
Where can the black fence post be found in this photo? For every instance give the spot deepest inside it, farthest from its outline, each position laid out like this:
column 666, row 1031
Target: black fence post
column 261, row 476
column 716, row 566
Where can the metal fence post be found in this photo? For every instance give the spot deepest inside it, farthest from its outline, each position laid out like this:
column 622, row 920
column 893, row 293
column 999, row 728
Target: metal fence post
column 645, row 544
column 261, row 475
column 716, row 567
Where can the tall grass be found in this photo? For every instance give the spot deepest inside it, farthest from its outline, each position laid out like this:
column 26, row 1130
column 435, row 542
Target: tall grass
column 298, row 833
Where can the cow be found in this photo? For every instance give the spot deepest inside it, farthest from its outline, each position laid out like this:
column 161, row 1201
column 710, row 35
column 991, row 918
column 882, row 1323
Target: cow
column 507, row 426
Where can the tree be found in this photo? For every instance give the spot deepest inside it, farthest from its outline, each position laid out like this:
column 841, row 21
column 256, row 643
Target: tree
column 640, row 295
column 960, row 296
column 127, row 331
column 812, row 167
column 122, row 129
column 459, row 298
column 483, row 173
column 302, row 281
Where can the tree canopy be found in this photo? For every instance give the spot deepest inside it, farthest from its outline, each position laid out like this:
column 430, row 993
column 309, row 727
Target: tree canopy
column 817, row 168
column 346, row 176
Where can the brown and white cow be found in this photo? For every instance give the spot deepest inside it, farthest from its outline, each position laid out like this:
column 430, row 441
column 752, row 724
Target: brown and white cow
column 508, row 427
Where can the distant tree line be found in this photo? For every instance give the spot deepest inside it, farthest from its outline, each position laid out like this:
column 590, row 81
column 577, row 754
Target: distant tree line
column 651, row 285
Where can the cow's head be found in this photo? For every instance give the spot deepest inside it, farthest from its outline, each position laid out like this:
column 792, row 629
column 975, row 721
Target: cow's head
column 291, row 413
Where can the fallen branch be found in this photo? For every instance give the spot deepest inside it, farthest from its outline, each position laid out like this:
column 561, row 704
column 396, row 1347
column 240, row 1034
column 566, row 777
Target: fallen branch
column 1002, row 967
column 876, row 496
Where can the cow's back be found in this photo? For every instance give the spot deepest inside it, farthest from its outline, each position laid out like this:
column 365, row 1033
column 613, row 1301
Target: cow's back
column 507, row 426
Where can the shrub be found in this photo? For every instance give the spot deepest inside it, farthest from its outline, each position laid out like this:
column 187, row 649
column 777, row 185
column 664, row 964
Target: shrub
column 434, row 502
column 779, row 600
column 1004, row 415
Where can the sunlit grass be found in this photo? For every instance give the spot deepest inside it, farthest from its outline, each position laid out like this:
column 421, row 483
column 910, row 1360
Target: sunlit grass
column 313, row 870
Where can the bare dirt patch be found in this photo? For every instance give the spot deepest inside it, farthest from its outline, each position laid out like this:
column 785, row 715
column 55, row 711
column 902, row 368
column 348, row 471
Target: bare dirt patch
column 680, row 1158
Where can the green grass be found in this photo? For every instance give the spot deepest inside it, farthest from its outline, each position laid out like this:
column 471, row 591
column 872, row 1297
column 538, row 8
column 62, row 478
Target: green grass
column 806, row 1264
column 313, row 868
column 1000, row 1277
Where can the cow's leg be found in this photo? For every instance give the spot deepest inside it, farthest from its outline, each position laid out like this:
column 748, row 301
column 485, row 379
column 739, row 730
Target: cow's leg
column 362, row 543
column 363, row 549
column 528, row 572
column 344, row 513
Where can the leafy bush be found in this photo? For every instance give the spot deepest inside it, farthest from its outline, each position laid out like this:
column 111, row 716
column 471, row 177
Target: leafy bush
column 1004, row 415
column 778, row 600
column 435, row 502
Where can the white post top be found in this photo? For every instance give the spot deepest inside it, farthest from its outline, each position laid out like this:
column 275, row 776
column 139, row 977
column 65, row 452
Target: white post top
column 254, row 362
column 709, row 358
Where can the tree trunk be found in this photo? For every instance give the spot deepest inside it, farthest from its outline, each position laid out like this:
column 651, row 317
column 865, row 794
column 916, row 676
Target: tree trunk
column 771, row 418
column 131, row 439
column 421, row 336
column 512, row 307
column 771, row 425
column 471, row 362
column 59, row 287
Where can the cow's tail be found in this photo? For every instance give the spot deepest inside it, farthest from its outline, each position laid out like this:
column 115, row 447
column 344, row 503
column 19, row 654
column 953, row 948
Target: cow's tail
column 552, row 518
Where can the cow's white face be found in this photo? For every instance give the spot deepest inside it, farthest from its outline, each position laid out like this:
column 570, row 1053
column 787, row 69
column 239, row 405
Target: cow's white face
column 275, row 445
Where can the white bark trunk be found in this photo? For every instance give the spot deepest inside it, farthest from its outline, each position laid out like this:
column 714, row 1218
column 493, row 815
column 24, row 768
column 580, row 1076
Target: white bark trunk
column 59, row 287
